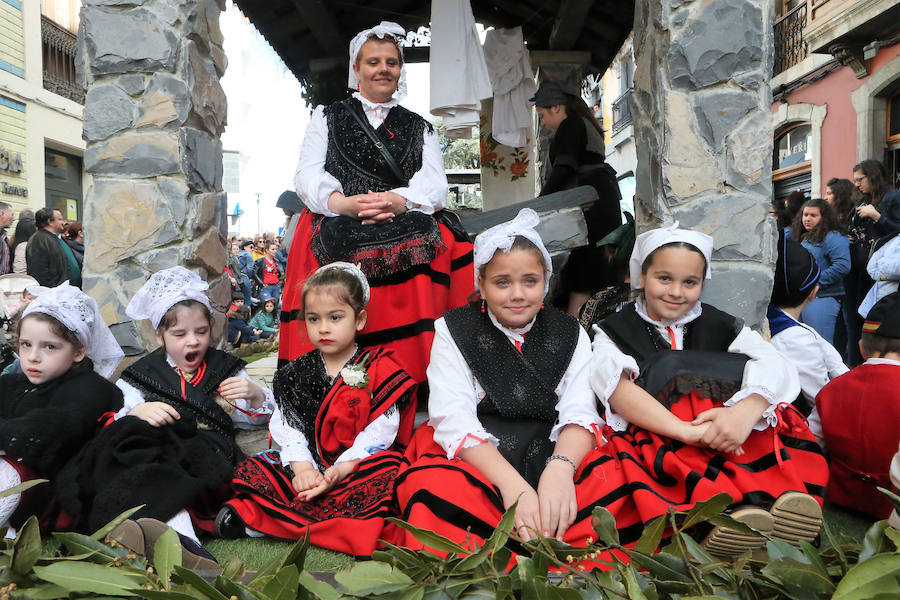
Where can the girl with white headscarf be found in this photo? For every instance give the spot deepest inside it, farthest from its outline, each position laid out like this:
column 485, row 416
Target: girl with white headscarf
column 511, row 414
column 54, row 405
column 172, row 445
column 372, row 178
column 698, row 404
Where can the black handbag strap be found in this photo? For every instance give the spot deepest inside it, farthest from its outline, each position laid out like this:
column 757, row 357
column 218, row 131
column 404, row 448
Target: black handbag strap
column 367, row 127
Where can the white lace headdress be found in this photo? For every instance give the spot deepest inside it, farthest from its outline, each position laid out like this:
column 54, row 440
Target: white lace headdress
column 163, row 290
column 383, row 29
column 501, row 237
column 649, row 241
column 80, row 314
column 354, row 270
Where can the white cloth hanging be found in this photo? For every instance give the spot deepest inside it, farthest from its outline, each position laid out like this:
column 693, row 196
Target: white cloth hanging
column 459, row 75
column 509, row 67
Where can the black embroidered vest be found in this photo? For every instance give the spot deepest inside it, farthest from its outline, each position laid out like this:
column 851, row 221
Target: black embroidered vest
column 159, row 382
column 519, row 406
column 352, row 157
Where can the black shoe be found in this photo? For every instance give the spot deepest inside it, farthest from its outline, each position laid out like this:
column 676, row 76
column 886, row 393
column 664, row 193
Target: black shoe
column 228, row 524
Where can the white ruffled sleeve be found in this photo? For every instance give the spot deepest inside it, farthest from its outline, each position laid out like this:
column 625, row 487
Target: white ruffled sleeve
column 131, row 395
column 577, row 404
column 294, row 447
column 607, row 365
column 311, row 181
column 767, row 373
column 453, row 403
column 260, row 416
column 377, row 436
column 427, row 189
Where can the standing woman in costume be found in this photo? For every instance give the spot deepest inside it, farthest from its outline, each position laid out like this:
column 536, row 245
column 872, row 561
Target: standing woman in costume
column 172, row 446
column 577, row 158
column 698, row 404
column 876, row 216
column 372, row 179
column 343, row 413
column 511, row 414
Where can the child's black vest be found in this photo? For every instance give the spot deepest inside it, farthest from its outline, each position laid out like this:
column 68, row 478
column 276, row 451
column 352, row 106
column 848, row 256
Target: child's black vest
column 519, row 407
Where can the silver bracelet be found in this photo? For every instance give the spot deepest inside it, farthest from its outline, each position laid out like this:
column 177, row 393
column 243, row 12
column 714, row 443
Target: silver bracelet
column 562, row 457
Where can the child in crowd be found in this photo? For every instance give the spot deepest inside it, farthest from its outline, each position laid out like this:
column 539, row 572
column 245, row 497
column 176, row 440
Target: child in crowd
column 860, row 412
column 342, row 411
column 266, row 320
column 701, row 438
column 817, row 362
column 238, row 331
column 172, row 446
column 28, row 294
column 511, row 414
column 50, row 409
column 817, row 228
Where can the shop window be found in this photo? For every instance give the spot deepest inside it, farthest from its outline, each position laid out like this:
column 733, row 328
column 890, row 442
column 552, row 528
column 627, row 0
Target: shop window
column 792, row 151
column 62, row 181
column 893, row 121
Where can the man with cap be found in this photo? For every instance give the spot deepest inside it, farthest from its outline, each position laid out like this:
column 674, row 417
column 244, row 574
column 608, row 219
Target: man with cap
column 816, row 360
column 577, row 157
column 860, row 412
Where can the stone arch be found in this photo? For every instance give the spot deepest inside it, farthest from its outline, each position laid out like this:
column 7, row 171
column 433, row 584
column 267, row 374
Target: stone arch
column 814, row 114
column 870, row 102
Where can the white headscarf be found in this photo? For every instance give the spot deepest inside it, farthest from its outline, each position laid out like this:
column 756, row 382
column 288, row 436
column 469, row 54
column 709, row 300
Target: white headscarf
column 165, row 289
column 502, row 236
column 354, row 270
column 385, row 28
column 80, row 314
column 649, row 241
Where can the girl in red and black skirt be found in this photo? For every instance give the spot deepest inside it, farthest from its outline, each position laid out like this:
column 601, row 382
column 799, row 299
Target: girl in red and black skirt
column 342, row 412
column 512, row 417
column 697, row 404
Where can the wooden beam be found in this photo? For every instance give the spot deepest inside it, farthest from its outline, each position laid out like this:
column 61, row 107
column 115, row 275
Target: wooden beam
column 322, row 25
column 569, row 22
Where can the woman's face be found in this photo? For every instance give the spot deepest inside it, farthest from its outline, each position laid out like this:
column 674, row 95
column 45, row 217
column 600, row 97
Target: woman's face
column 829, row 195
column 378, row 69
column 811, row 217
column 551, row 116
column 862, row 182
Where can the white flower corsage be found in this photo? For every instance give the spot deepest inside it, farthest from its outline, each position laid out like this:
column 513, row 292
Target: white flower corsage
column 355, row 376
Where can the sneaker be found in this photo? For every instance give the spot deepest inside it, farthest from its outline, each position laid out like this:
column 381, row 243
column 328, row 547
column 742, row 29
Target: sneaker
column 798, row 518
column 727, row 543
column 228, row 524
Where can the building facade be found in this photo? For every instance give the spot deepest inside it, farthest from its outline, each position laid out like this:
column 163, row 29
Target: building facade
column 41, row 106
column 617, row 85
column 835, row 91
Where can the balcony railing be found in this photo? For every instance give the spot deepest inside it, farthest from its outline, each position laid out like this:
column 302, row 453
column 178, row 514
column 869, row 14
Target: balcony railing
column 621, row 111
column 790, row 47
column 59, row 48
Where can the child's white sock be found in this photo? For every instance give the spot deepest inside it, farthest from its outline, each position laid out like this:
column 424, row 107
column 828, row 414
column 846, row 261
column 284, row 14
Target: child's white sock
column 9, row 477
column 181, row 523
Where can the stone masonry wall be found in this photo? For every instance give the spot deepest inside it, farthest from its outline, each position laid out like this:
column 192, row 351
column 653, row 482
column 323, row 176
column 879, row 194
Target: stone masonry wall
column 152, row 119
column 701, row 110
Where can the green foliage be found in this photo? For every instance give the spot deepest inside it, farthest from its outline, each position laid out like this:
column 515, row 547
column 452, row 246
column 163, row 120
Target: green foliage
column 847, row 569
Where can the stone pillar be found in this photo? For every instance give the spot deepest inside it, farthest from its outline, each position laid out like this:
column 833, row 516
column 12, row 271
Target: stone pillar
column 152, row 120
column 702, row 122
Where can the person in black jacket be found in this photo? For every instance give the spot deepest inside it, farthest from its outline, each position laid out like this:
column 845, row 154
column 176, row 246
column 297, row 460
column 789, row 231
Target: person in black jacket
column 577, row 158
column 49, row 258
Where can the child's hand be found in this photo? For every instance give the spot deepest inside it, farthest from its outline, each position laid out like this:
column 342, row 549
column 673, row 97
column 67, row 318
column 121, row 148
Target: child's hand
column 333, row 475
column 528, row 512
column 556, row 495
column 235, row 388
column 729, row 427
column 306, row 478
column 155, row 413
column 693, row 434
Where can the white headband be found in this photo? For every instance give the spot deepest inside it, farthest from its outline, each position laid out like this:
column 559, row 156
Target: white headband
column 383, row 29
column 165, row 289
column 502, row 236
column 354, row 270
column 80, row 314
column 649, row 241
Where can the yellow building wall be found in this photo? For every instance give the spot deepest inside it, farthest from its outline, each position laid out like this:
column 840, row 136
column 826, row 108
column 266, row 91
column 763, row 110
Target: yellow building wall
column 12, row 139
column 12, row 38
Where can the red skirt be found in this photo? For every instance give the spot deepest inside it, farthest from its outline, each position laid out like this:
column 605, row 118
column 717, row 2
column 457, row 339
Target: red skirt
column 401, row 313
column 349, row 518
column 452, row 498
